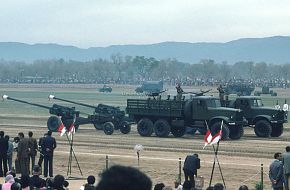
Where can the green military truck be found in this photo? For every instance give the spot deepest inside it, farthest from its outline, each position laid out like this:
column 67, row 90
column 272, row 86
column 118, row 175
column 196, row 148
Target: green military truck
column 266, row 121
column 172, row 115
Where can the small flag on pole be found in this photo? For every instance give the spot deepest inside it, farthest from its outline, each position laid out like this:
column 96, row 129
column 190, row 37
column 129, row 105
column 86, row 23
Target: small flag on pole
column 71, row 129
column 213, row 139
column 61, row 129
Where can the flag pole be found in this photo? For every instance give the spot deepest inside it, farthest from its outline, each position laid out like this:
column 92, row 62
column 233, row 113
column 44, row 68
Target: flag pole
column 213, row 166
column 216, row 157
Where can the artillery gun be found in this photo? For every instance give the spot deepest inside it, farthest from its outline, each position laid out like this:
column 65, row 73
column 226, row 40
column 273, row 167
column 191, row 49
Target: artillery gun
column 68, row 116
column 103, row 115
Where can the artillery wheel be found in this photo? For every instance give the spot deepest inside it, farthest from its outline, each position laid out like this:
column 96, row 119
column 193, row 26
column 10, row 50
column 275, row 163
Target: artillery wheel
column 145, row 127
column 125, row 128
column 236, row 132
column 161, row 128
column 108, row 128
column 214, row 128
column 277, row 130
column 263, row 128
column 53, row 123
column 178, row 131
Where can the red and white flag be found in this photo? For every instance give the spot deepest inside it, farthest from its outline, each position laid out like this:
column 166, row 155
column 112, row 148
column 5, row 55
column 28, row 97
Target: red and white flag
column 71, row 129
column 61, row 129
column 213, row 139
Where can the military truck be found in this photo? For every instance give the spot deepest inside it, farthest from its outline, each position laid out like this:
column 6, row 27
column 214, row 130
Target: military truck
column 266, row 121
column 163, row 116
column 239, row 89
column 105, row 88
column 265, row 90
column 150, row 87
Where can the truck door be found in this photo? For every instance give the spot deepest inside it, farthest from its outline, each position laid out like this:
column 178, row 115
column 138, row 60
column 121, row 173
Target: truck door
column 244, row 105
column 199, row 110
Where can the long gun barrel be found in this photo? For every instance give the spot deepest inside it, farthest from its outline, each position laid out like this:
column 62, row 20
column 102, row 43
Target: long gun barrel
column 69, row 101
column 4, row 97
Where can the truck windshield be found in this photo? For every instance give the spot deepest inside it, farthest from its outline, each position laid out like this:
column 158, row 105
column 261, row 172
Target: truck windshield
column 256, row 103
column 214, row 103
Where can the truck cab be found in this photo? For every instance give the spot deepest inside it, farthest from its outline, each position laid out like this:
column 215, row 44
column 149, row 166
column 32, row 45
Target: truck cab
column 266, row 121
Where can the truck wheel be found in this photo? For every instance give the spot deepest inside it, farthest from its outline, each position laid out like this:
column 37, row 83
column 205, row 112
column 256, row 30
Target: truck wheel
column 108, row 128
column 178, row 131
column 236, row 132
column 125, row 128
column 161, row 128
column 190, row 131
column 277, row 130
column 98, row 126
column 263, row 128
column 225, row 130
column 145, row 127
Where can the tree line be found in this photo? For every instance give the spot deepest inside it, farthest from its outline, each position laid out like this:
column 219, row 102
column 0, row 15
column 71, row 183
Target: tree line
column 134, row 70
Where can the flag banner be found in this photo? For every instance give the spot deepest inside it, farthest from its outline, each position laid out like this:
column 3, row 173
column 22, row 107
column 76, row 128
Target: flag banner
column 61, row 129
column 71, row 129
column 213, row 137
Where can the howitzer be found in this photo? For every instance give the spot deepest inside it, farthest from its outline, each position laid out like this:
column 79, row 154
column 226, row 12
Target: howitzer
column 104, row 114
column 62, row 114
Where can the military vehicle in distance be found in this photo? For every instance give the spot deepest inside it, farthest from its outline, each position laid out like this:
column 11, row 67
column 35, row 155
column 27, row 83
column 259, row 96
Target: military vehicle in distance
column 172, row 115
column 266, row 121
column 265, row 90
column 105, row 88
column 239, row 89
column 150, row 87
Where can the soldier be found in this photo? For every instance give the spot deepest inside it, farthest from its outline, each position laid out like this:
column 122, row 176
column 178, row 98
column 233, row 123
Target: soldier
column 221, row 92
column 179, row 91
column 22, row 154
column 32, row 149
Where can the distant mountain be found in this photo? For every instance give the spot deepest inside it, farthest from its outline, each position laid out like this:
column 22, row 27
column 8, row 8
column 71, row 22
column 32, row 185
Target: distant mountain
column 270, row 50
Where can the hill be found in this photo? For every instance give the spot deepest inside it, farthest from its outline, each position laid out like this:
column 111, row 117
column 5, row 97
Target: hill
column 271, row 50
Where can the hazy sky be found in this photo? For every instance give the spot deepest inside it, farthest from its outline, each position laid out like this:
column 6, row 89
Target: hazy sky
column 94, row 23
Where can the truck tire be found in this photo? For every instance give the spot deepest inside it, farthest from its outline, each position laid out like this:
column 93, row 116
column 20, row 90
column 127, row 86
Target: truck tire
column 236, row 132
column 225, row 130
column 161, row 128
column 125, row 128
column 145, row 127
column 178, row 131
column 263, row 128
column 108, row 128
column 277, row 130
column 98, row 126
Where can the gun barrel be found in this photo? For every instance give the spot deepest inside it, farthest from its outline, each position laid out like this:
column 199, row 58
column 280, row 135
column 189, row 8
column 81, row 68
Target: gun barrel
column 25, row 102
column 73, row 102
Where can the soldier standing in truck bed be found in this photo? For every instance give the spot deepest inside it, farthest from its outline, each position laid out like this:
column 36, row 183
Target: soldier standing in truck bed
column 221, row 92
column 179, row 91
